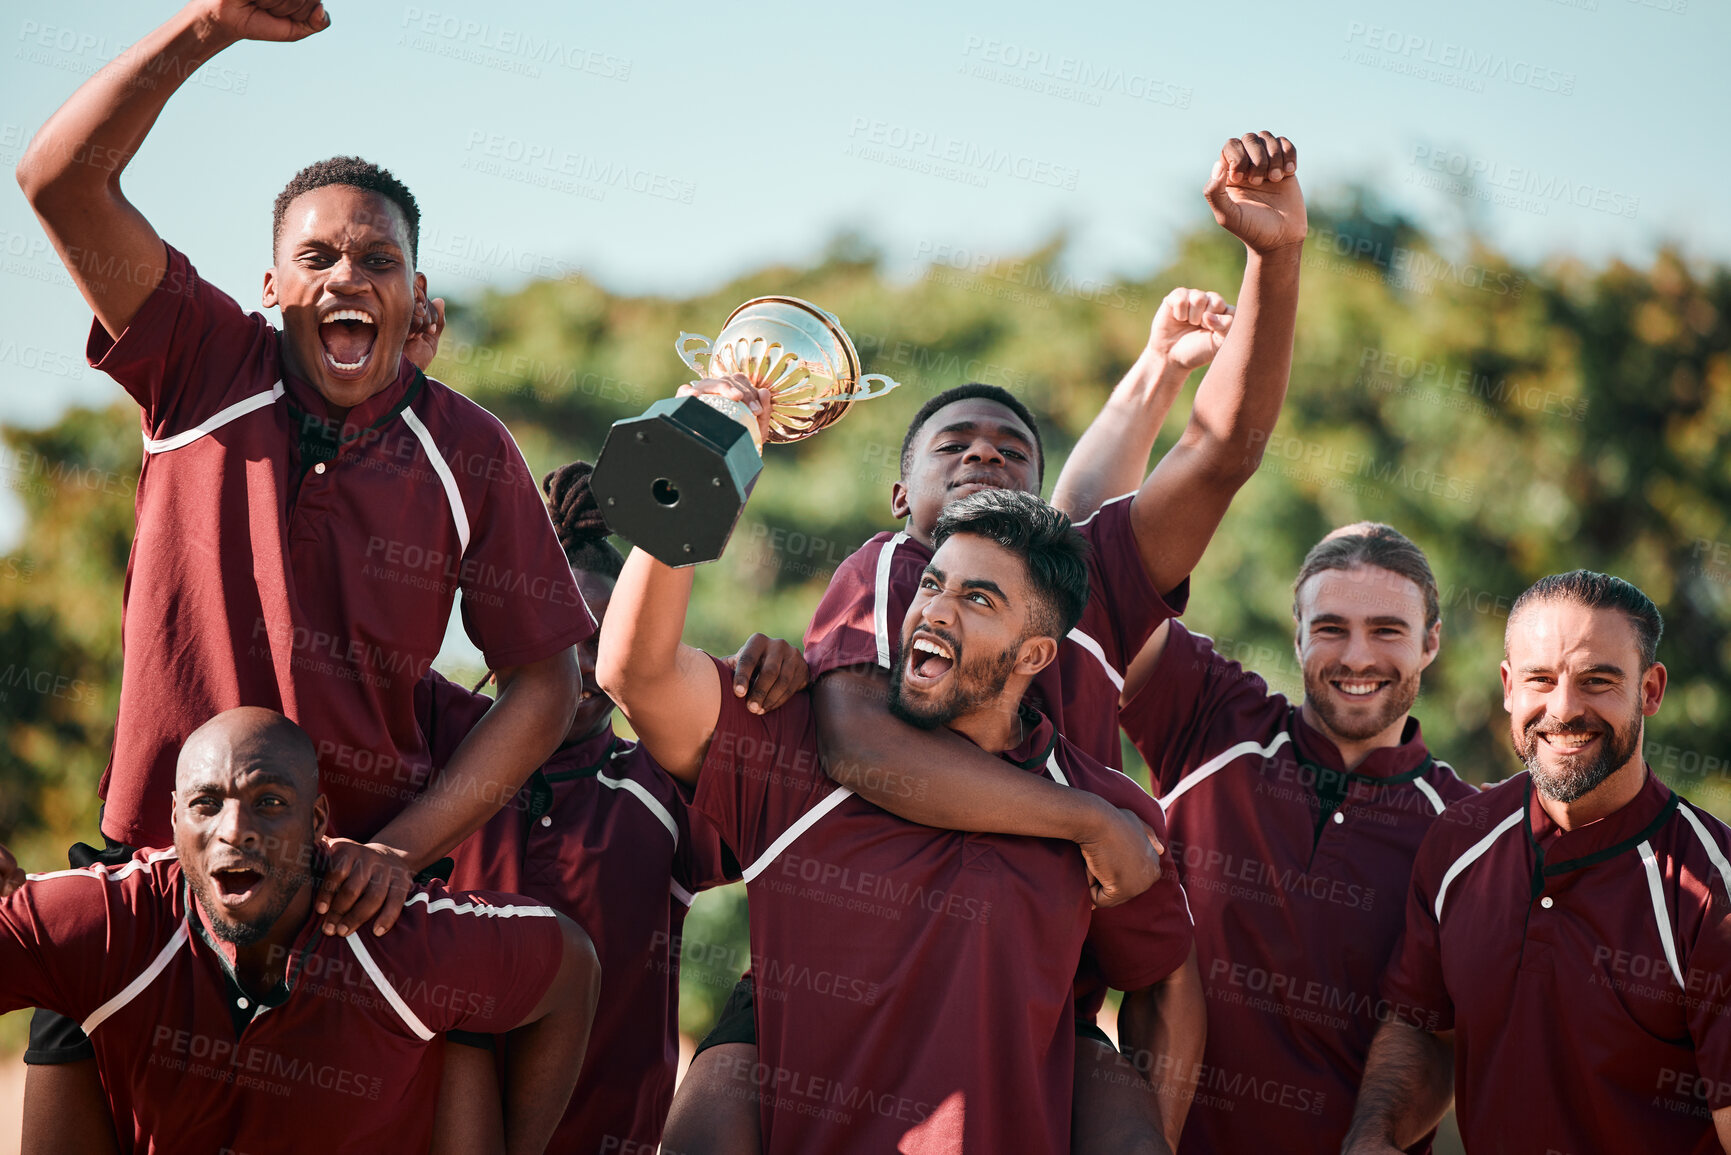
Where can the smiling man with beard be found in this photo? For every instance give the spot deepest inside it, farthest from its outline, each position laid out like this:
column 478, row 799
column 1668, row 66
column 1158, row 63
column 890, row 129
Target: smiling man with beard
column 1567, row 965
column 1294, row 826
column 222, row 1019
column 914, row 984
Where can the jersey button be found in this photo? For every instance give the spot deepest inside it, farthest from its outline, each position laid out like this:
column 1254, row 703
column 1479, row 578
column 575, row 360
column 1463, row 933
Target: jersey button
column 546, row 820
column 1545, row 902
column 242, row 1004
column 319, row 468
column 1339, row 818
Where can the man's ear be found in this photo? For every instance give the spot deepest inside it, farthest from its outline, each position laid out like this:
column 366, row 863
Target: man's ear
column 1508, row 676
column 321, row 816
column 1432, row 644
column 1036, row 654
column 899, row 507
column 1653, row 683
column 270, row 288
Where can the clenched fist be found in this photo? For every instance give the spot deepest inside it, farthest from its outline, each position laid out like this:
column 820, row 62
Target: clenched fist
column 1254, row 192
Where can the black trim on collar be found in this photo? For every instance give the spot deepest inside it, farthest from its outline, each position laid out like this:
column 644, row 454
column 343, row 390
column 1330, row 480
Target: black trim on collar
column 1542, row 870
column 256, row 1004
column 1330, row 785
column 588, row 771
column 1038, row 760
column 318, row 437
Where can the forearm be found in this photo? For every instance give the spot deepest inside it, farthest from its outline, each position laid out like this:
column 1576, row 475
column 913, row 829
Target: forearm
column 1240, row 396
column 516, row 734
column 1407, row 1086
column 89, row 140
column 1163, row 1029
column 935, row 777
column 1112, row 456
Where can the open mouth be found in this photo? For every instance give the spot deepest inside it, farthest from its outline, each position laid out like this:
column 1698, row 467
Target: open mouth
column 929, row 659
column 236, row 884
column 348, row 336
column 1568, row 743
column 1359, row 689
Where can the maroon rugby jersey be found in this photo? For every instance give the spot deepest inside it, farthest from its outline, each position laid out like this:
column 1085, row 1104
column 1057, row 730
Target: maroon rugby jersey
column 913, row 984
column 859, row 623
column 1296, row 872
column 345, row 1054
column 1586, row 975
column 604, row 836
column 261, row 577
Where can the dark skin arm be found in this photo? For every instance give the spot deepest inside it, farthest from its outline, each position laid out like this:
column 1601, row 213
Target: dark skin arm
column 1407, row 1086
column 11, row 874
column 470, row 1119
column 1168, row 1024
column 958, row 786
column 545, row 1052
column 517, row 733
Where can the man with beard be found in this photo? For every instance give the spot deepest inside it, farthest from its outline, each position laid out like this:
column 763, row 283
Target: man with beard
column 914, row 984
column 1566, row 967
column 1294, row 826
column 222, row 1019
column 309, row 507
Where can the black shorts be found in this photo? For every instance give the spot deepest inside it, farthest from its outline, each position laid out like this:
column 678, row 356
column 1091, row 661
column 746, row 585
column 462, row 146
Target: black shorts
column 54, row 1038
column 737, row 1022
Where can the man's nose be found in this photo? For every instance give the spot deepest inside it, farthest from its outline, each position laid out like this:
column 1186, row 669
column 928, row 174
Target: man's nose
column 985, row 452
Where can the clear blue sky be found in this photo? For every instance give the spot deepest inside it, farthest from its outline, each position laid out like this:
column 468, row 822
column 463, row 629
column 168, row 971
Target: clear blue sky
column 665, row 146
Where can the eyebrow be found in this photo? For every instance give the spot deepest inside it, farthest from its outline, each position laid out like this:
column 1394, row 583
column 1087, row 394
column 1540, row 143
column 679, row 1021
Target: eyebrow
column 1009, row 431
column 1596, row 668
column 1379, row 620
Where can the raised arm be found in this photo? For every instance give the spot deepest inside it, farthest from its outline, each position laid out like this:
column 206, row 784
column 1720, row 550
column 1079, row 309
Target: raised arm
column 939, row 779
column 1167, row 1023
column 1408, row 1085
column 71, row 172
column 668, row 690
column 1254, row 194
column 1112, row 456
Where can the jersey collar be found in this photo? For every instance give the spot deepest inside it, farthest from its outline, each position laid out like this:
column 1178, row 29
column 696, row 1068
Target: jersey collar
column 1559, row 850
column 1384, row 765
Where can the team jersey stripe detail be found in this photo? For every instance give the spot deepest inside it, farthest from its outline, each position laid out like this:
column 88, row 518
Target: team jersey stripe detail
column 1099, row 652
column 680, row 892
column 881, row 598
column 410, row 1019
column 1656, row 889
column 110, row 874
column 485, row 910
column 638, row 791
column 1429, row 792
column 805, row 823
column 239, row 409
column 446, row 478
column 1707, row 844
column 1478, row 848
column 156, row 967
column 1053, row 769
column 1249, row 746
column 1103, row 505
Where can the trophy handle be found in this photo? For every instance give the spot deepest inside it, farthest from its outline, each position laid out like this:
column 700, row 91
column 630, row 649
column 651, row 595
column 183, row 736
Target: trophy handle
column 689, row 356
column 868, row 393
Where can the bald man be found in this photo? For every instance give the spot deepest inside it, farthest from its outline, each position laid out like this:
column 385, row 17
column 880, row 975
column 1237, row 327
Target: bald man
column 221, row 1019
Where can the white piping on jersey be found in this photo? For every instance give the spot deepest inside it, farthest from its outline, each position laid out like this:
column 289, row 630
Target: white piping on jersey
column 1429, row 792
column 156, row 967
column 1099, row 652
column 1053, row 770
column 1478, row 848
column 410, row 1019
column 485, row 910
column 1656, row 889
column 1249, row 746
column 443, row 469
column 1103, row 505
column 881, row 598
column 1707, row 844
column 641, row 793
column 222, row 417
column 805, row 823
column 109, row 874
column 680, row 892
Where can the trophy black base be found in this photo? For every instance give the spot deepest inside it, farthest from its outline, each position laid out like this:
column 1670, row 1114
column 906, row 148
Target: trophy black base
column 674, row 480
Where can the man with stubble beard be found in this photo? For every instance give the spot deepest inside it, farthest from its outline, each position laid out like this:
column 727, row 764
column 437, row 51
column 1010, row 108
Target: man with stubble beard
column 1568, row 964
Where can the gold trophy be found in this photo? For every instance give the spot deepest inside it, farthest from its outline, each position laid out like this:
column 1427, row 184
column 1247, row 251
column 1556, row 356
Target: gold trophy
column 674, row 480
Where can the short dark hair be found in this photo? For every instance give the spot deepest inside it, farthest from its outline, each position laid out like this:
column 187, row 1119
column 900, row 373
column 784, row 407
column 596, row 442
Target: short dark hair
column 578, row 522
column 1055, row 555
column 1376, row 544
column 1597, row 591
column 966, row 393
column 356, row 173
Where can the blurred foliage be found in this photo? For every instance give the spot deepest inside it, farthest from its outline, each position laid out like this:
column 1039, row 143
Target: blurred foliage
column 1514, row 421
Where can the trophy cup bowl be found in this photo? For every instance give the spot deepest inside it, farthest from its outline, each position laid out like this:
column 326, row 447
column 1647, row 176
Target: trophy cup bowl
column 674, row 480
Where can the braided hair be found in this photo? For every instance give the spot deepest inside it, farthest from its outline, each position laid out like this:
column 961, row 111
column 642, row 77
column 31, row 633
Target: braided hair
column 577, row 518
